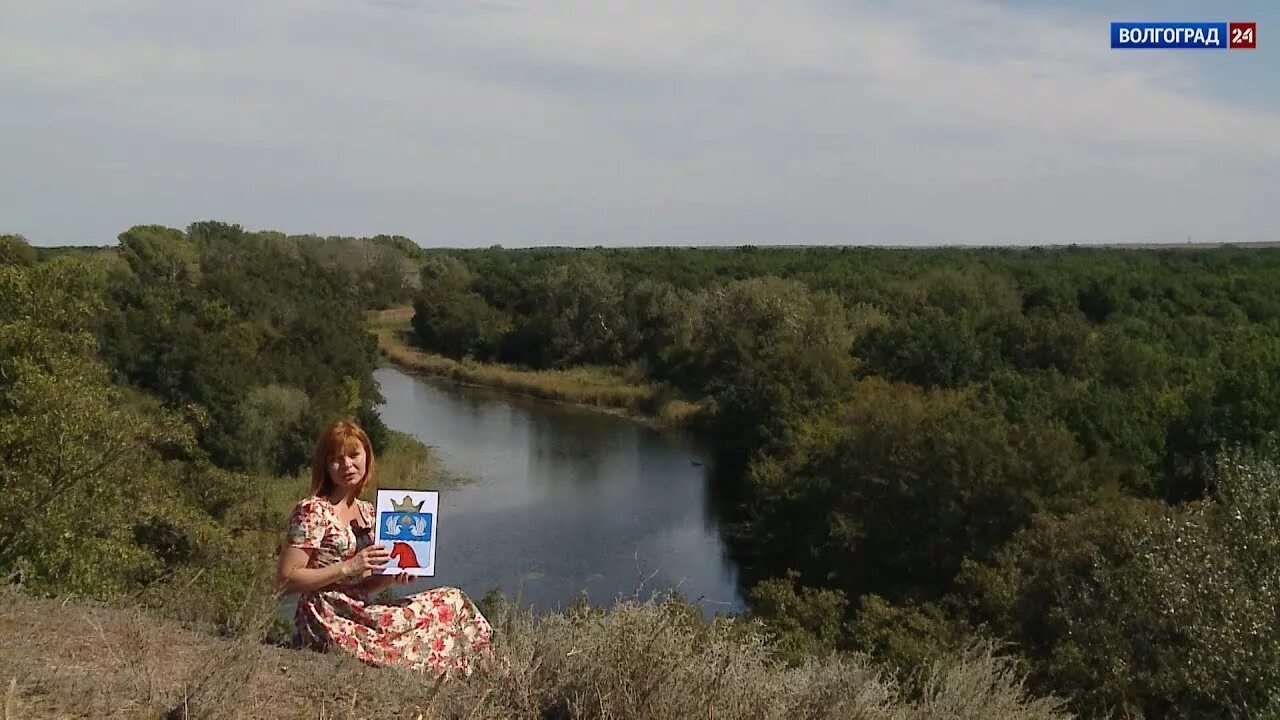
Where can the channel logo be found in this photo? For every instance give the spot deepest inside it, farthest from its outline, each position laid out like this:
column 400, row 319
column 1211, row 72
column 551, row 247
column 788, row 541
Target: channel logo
column 1184, row 35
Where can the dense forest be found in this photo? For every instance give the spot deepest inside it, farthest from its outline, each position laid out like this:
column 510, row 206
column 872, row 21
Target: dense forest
column 1066, row 450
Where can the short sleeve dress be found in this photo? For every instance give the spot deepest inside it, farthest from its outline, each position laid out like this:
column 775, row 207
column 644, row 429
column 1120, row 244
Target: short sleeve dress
column 438, row 630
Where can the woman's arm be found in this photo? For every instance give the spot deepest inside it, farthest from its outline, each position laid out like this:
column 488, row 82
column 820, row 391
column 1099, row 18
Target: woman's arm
column 293, row 575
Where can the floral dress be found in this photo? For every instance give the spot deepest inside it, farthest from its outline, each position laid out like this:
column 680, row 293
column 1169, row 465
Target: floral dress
column 438, row 630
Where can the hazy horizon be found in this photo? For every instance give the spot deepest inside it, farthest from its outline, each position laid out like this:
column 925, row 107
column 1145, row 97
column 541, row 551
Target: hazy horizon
column 577, row 123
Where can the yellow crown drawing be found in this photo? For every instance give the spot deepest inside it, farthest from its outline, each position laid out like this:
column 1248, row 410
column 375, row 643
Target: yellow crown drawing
column 407, row 505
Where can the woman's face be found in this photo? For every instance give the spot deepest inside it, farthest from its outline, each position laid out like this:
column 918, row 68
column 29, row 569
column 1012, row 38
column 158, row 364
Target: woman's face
column 346, row 470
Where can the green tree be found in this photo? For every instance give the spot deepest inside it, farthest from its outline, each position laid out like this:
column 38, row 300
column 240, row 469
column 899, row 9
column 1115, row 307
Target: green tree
column 653, row 312
column 445, row 273
column 1152, row 611
column 890, row 491
column 767, row 352
column 160, row 256
column 457, row 323
column 803, row 622
column 578, row 319
column 930, row 348
column 15, row 250
column 908, row 637
column 274, row 430
column 73, row 457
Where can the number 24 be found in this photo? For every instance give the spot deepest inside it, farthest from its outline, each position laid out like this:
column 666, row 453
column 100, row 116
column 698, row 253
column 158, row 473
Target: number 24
column 1242, row 35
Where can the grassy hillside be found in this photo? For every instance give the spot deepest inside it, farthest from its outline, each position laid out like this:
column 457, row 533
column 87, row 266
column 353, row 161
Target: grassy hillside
column 69, row 659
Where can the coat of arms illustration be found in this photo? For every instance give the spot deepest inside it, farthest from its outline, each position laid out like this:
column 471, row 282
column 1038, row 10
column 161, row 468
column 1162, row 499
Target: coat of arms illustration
column 406, row 526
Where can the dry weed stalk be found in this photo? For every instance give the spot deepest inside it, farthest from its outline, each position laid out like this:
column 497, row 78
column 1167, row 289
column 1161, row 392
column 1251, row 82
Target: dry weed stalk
column 11, row 700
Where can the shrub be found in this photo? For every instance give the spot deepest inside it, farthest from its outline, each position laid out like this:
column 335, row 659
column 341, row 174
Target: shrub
column 803, row 622
column 1158, row 613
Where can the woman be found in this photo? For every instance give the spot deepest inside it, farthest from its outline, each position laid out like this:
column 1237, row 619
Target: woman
column 328, row 559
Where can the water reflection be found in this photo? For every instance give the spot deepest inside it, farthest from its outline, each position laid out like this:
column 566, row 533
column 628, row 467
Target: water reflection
column 564, row 500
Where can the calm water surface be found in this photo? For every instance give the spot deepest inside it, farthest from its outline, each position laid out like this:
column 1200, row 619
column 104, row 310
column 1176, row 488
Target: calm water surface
column 562, row 500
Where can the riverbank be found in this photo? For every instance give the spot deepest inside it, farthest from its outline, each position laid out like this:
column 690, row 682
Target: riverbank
column 604, row 389
column 76, row 659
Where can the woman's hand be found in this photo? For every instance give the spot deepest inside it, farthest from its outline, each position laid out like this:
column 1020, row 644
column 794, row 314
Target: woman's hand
column 375, row 585
column 364, row 563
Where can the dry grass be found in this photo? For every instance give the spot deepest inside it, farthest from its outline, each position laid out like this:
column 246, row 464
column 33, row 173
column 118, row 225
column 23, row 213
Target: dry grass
column 596, row 387
column 638, row 660
column 396, row 317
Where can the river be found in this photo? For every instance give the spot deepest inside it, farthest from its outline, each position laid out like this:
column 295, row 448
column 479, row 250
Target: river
column 561, row 501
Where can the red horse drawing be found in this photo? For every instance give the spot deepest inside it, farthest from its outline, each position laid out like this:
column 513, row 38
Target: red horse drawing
column 405, row 555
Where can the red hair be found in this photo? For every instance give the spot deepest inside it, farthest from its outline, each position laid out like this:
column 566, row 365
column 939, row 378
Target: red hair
column 339, row 438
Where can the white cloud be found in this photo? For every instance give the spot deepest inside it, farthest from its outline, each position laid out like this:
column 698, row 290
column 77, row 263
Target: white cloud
column 600, row 121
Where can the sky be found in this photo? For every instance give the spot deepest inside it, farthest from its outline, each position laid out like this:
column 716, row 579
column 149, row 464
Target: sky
column 470, row 123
